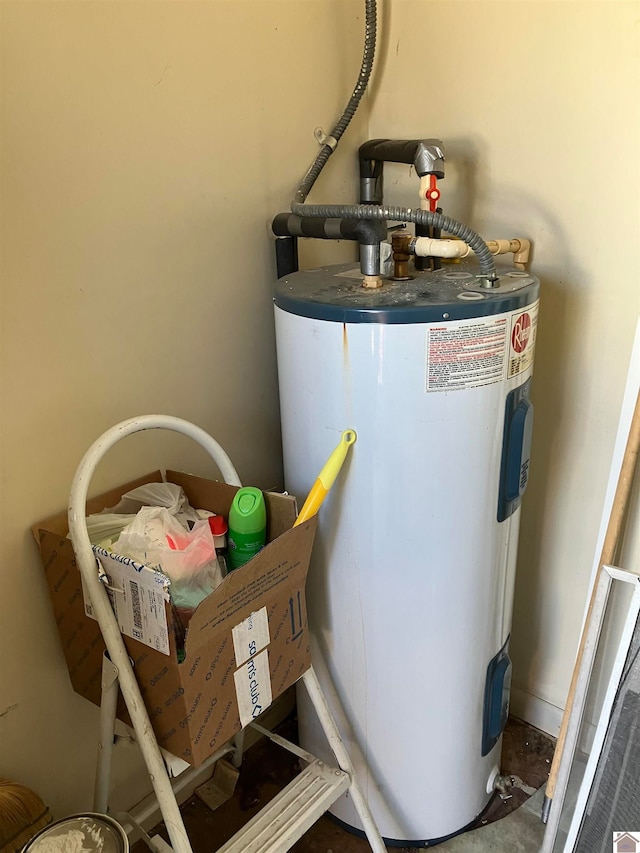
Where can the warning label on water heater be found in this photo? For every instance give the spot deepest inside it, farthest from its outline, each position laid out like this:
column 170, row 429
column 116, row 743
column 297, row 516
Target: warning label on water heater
column 466, row 353
column 523, row 340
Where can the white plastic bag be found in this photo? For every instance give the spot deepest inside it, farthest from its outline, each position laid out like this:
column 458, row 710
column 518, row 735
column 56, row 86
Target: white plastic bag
column 105, row 527
column 188, row 557
column 167, row 495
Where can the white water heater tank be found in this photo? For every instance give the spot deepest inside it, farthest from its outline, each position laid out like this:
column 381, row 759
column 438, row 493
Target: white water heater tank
column 411, row 583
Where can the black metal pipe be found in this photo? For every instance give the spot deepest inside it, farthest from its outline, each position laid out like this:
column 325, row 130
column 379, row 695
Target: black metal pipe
column 286, row 256
column 366, row 232
column 419, row 153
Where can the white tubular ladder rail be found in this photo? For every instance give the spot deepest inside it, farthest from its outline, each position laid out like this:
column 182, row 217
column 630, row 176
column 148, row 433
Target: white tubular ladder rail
column 104, row 614
column 121, row 674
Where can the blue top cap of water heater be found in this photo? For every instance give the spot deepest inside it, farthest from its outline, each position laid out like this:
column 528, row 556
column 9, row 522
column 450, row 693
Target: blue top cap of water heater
column 336, row 294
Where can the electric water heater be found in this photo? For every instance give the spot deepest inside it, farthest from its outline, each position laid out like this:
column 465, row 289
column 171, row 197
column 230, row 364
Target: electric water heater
column 411, row 584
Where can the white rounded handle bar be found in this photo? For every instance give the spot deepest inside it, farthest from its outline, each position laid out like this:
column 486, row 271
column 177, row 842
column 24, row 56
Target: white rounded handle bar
column 102, row 609
column 89, row 463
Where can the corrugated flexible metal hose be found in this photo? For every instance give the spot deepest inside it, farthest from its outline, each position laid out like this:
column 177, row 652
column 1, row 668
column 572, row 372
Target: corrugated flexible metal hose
column 350, row 110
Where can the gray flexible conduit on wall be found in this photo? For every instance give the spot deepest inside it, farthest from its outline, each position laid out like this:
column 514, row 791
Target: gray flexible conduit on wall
column 370, row 211
column 350, row 110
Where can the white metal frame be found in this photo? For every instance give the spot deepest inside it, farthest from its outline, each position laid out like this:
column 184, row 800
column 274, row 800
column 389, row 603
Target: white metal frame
column 608, row 575
column 118, row 673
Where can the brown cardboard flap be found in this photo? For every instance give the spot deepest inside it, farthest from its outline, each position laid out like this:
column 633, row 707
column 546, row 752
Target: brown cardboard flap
column 284, row 561
column 282, row 510
column 194, row 706
column 82, row 641
column 213, row 495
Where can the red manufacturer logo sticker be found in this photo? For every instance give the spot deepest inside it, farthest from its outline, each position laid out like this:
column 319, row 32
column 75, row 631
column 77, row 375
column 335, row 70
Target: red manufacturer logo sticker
column 521, row 333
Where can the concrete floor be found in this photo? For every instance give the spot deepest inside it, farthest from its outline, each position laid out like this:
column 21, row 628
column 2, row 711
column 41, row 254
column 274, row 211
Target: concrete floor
column 518, row 832
column 510, row 826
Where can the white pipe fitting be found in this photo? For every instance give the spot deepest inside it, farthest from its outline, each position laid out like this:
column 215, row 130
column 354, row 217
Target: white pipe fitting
column 520, row 249
column 427, row 247
column 424, row 189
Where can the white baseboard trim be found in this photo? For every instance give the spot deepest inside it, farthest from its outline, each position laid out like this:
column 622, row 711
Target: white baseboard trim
column 536, row 711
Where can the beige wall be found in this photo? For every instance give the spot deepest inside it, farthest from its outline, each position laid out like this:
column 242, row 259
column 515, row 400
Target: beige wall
column 539, row 107
column 145, row 148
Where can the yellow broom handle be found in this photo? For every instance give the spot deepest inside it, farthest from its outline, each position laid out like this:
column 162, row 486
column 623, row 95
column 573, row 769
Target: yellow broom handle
column 326, row 478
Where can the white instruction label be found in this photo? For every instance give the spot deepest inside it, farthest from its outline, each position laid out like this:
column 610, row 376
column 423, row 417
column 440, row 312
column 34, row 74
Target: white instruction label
column 137, row 596
column 251, row 636
column 466, row 353
column 524, row 326
column 253, row 687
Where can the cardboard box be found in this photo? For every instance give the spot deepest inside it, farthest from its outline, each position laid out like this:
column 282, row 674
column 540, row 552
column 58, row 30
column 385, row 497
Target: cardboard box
column 247, row 642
